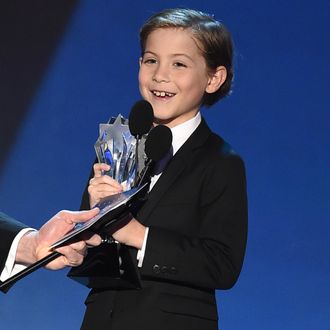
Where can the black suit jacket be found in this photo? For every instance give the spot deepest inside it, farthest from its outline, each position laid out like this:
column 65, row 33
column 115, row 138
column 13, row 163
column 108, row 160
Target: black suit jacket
column 9, row 228
column 197, row 215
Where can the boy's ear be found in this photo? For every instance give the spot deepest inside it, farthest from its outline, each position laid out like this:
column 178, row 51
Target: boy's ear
column 216, row 79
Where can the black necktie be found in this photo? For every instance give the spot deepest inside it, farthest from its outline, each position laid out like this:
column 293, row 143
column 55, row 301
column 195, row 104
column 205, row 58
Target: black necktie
column 162, row 163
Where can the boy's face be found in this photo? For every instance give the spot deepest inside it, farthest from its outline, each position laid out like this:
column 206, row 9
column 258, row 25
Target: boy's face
column 173, row 75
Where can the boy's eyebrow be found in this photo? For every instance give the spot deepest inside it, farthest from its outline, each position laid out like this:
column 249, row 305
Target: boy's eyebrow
column 148, row 51
column 173, row 55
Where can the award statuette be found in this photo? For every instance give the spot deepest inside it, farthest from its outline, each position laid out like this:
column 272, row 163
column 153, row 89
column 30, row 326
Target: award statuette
column 116, row 147
column 121, row 144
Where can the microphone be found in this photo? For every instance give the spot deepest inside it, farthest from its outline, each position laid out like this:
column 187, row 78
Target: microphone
column 157, row 144
column 140, row 118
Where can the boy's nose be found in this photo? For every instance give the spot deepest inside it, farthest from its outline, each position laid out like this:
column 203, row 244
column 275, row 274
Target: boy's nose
column 159, row 80
column 160, row 75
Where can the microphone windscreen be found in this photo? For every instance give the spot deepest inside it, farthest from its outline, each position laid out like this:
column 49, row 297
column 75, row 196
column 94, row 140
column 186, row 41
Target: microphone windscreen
column 158, row 142
column 140, row 118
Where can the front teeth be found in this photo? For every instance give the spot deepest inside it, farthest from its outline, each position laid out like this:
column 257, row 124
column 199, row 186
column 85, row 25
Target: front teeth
column 162, row 94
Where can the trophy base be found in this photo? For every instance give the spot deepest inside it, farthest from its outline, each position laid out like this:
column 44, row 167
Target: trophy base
column 110, row 265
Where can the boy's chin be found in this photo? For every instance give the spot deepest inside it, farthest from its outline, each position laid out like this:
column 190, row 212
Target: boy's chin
column 162, row 121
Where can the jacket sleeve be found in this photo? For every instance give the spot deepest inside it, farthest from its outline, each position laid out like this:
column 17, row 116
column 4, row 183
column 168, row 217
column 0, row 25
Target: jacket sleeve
column 212, row 257
column 9, row 228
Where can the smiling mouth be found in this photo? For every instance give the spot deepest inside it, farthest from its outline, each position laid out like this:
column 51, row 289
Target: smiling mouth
column 162, row 93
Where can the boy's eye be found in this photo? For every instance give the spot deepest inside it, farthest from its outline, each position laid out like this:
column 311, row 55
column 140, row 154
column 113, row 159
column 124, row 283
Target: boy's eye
column 180, row 65
column 149, row 61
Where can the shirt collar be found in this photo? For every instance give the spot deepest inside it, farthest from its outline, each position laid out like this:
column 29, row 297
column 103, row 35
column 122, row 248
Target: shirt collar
column 182, row 132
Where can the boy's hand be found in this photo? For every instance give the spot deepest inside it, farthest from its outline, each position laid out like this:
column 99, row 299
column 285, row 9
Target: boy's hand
column 101, row 186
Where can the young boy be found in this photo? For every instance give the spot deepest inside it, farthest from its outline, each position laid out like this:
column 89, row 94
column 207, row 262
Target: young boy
column 190, row 235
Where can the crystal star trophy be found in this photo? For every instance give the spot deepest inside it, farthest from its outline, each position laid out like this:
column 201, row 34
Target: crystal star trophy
column 116, row 147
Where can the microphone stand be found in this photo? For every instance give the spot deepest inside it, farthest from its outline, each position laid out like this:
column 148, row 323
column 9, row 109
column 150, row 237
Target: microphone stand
column 137, row 138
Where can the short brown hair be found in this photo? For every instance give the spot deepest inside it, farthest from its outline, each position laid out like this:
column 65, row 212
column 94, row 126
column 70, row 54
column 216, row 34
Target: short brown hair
column 211, row 37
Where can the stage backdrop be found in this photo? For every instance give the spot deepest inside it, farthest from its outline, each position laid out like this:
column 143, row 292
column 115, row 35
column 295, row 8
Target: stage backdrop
column 67, row 66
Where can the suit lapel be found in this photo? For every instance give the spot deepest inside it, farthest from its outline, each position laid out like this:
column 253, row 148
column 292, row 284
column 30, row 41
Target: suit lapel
column 174, row 169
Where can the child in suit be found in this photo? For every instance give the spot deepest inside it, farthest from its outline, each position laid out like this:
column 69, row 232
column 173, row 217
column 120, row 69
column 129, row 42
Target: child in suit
column 190, row 235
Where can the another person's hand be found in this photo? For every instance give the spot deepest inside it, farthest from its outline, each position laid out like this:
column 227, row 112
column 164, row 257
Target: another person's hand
column 35, row 245
column 101, row 186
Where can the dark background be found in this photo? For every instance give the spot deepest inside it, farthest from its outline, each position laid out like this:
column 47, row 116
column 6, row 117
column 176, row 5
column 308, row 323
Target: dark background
column 66, row 66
